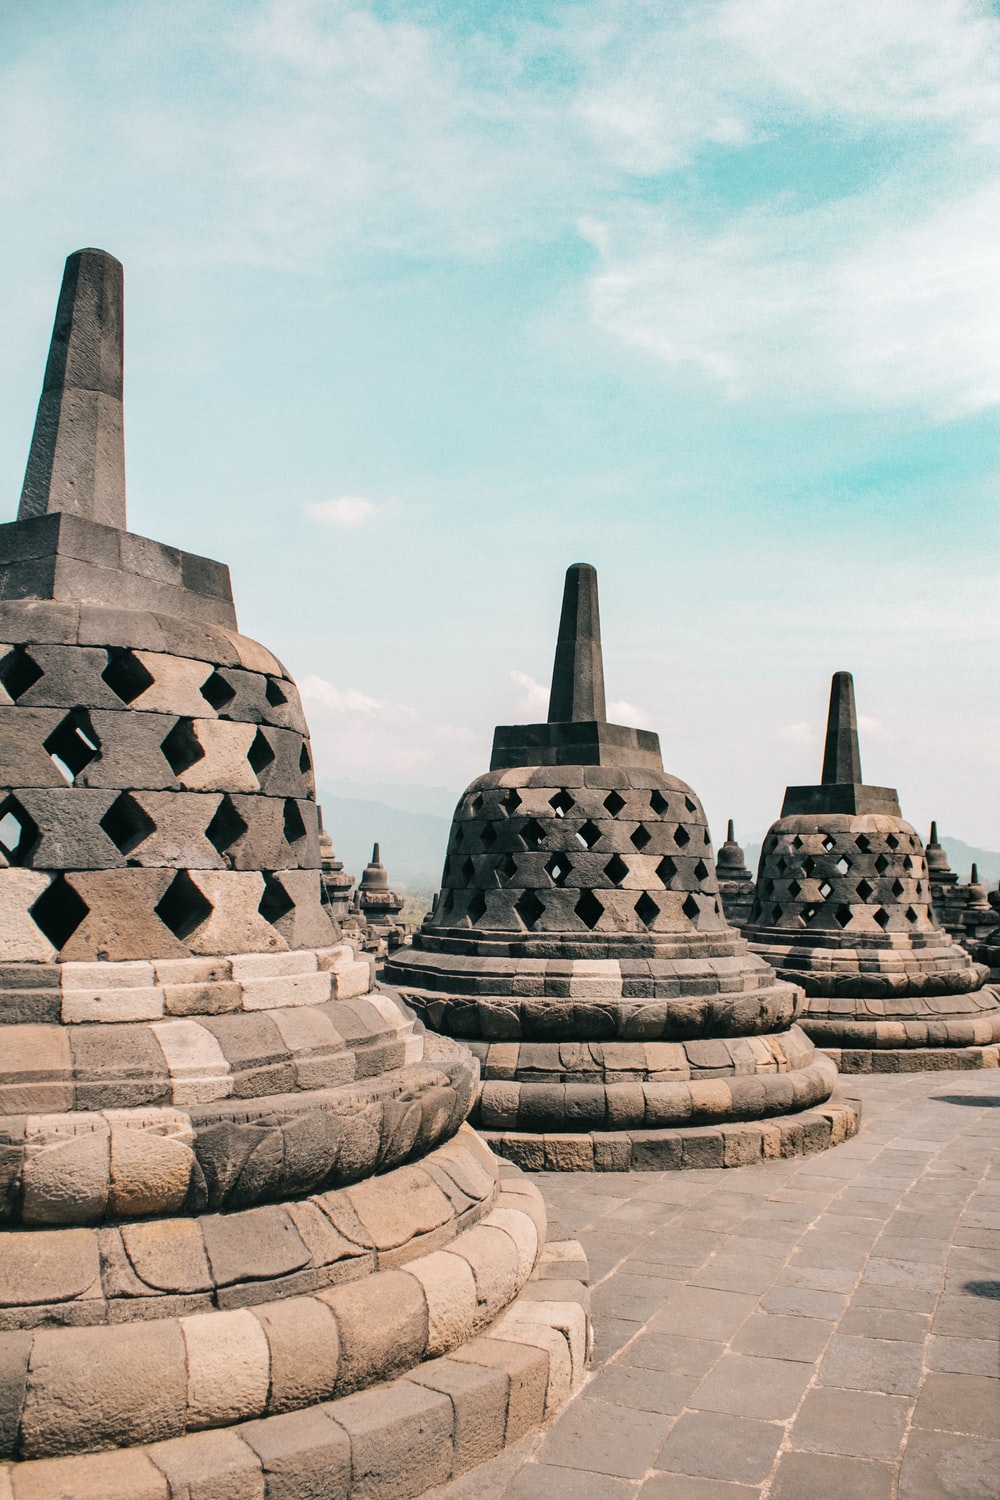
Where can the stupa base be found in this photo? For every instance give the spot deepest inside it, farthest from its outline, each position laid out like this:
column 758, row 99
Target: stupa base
column 738, row 1144
column 913, row 1059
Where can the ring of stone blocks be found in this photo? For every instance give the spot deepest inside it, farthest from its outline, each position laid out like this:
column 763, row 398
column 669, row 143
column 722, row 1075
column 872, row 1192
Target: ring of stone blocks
column 724, row 1145
column 119, row 1384
column 861, row 975
column 83, row 1166
column 160, row 1268
column 856, row 875
column 954, row 1031
column 404, row 1436
column 652, row 1062
column 542, row 1106
column 526, row 846
column 564, row 1018
column 893, row 1005
column 913, row 1059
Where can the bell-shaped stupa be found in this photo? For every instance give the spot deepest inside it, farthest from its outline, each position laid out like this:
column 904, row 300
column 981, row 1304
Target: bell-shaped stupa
column 579, row 947
column 843, row 908
column 247, row 1244
column 735, row 880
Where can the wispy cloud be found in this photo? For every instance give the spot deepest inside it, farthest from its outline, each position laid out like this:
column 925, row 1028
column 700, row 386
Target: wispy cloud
column 346, row 512
column 356, row 734
column 533, row 702
column 801, row 733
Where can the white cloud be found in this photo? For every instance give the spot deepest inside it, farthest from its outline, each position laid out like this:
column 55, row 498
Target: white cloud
column 870, row 727
column 797, row 734
column 347, row 512
column 372, row 739
column 533, row 703
column 622, row 712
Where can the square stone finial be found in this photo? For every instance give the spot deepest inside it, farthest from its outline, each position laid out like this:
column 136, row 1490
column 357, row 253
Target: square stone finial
column 77, row 460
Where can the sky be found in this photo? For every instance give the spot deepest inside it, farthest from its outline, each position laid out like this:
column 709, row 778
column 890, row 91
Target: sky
column 428, row 299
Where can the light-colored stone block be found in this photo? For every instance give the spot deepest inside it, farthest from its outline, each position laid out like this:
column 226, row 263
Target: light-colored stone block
column 210, row 1466
column 522, row 1231
column 21, row 941
column 234, row 921
column 249, row 966
column 290, row 989
column 228, row 1363
column 67, row 1179
column 350, row 981
column 112, row 1004
column 150, row 1172
column 198, row 1069
column 224, row 766
column 450, row 1289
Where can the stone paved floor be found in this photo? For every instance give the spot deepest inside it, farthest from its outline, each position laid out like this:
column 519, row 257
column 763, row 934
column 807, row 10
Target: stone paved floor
column 825, row 1328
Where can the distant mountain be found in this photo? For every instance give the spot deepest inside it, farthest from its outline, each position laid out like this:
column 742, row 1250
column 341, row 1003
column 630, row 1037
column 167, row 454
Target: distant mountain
column 413, row 843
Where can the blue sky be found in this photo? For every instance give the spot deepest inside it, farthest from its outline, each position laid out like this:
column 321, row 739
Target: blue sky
column 425, row 301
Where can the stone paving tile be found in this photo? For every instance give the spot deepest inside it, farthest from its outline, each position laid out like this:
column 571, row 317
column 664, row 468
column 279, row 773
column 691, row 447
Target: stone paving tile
column 819, row 1329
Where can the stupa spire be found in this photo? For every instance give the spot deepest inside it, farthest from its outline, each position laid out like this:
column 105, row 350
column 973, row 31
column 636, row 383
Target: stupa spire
column 842, row 755
column 77, row 458
column 578, row 673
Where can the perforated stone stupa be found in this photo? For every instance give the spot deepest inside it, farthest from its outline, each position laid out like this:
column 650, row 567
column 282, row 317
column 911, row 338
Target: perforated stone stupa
column 247, row 1245
column 843, row 908
column 579, row 947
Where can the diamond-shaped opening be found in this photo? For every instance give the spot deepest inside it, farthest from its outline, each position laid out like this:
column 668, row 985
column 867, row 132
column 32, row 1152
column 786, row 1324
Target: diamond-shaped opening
column 506, row 869
column 641, row 837
column 475, row 806
column 808, row 912
column 125, row 675
column 274, row 692
column 794, row 890
column 19, row 833
column 881, row 864
column 127, row 824
column 920, row 888
column 863, row 842
column 829, row 843
column 666, row 869
column 19, row 672
column 275, row 902
column 892, row 841
column 614, row 803
column 532, row 834
column 825, row 889
column 73, row 744
column 588, row 835
column 796, row 842
column 183, row 907
column 781, row 865
column 768, row 889
column 58, row 912
column 561, row 803
column 529, row 908
column 701, row 870
column 181, row 747
column 260, row 753
column 808, row 866
column 691, row 909
column 843, row 914
column 616, row 869
column 488, row 835
column 775, row 914
column 457, row 835
column 658, row 802
column 557, row 868
column 882, row 918
column 305, row 762
column 226, row 826
column 908, row 862
column 589, row 909
column 691, row 806
column 510, row 802
column 898, row 888
column 646, row 909
column 865, row 890
column 476, row 907
column 681, row 836
column 843, row 864
column 447, row 902
column 294, row 825
column 911, row 915
column 467, row 869
column 217, row 691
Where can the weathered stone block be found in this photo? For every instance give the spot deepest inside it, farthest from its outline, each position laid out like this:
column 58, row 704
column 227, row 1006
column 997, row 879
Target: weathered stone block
column 228, row 1368
column 210, row 1466
column 305, row 1351
column 382, row 1322
column 401, row 1440
column 305, row 1455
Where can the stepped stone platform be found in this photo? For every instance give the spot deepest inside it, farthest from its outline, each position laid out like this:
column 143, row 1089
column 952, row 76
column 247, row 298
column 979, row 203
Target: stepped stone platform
column 248, row 1245
column 580, row 950
column 843, row 909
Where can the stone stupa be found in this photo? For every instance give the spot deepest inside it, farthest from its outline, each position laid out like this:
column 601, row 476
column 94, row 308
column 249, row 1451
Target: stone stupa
column 843, row 908
column 247, row 1245
column 736, row 885
column 579, row 947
